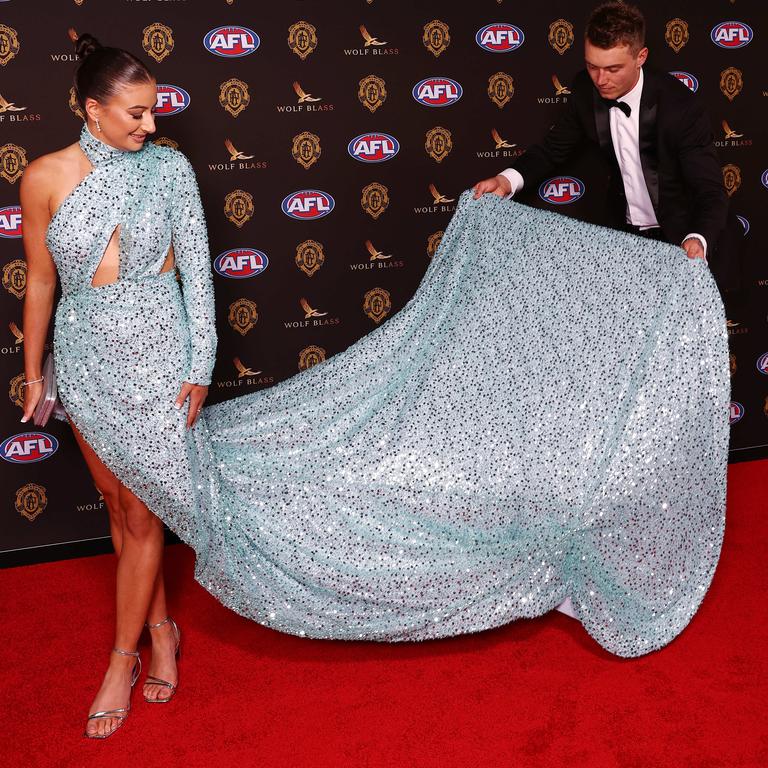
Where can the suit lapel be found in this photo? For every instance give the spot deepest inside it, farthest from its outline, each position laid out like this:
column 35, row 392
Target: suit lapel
column 603, row 126
column 648, row 148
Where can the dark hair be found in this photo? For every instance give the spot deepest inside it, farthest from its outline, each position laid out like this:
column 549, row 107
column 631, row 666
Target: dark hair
column 103, row 70
column 616, row 23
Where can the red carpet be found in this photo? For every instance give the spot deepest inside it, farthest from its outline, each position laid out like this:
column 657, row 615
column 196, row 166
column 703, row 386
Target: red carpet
column 534, row 693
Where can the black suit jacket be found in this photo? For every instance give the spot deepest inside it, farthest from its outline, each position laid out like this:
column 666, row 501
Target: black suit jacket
column 680, row 165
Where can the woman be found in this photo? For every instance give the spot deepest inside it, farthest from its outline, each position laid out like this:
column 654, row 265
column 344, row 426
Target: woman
column 131, row 353
column 541, row 420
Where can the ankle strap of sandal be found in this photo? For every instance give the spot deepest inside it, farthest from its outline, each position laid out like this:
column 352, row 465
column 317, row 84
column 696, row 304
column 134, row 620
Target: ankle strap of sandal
column 159, row 623
column 126, row 653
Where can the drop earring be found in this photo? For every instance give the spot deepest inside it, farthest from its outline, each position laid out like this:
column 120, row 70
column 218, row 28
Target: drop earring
column 98, row 126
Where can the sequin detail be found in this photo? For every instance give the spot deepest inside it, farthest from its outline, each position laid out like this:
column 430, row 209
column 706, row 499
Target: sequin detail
column 547, row 416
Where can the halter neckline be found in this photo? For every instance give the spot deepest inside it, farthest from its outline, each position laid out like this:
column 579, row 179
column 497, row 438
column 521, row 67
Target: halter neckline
column 97, row 152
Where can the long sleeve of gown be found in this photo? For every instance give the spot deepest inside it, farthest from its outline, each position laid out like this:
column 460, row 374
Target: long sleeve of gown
column 190, row 247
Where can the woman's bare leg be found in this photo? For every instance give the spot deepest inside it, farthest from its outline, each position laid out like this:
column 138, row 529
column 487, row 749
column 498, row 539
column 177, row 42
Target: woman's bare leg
column 138, row 538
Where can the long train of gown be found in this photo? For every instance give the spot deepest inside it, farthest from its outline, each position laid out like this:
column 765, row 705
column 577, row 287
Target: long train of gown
column 546, row 417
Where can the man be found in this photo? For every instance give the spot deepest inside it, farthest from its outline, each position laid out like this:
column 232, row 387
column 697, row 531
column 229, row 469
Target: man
column 666, row 181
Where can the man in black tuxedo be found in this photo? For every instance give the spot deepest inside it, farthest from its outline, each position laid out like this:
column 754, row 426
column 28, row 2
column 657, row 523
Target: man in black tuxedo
column 666, row 180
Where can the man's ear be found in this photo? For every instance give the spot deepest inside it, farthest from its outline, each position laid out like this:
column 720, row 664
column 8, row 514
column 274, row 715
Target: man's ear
column 642, row 56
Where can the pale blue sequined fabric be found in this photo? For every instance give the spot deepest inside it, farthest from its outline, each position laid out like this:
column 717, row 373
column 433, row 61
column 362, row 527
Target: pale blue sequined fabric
column 547, row 417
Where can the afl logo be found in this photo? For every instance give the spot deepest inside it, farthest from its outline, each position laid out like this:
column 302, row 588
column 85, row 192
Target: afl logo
column 744, row 223
column 561, row 190
column 687, row 79
column 171, row 100
column 437, row 92
column 308, row 204
column 762, row 364
column 731, row 34
column 231, row 42
column 500, row 38
column 239, row 263
column 735, row 412
column 28, row 447
column 373, row 147
column 10, row 221
column 764, row 178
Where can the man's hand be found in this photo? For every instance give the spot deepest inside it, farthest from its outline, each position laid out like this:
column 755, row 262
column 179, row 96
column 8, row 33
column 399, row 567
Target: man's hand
column 496, row 185
column 693, row 247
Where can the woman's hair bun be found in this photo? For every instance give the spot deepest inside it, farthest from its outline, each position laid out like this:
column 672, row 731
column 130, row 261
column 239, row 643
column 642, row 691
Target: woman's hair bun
column 85, row 45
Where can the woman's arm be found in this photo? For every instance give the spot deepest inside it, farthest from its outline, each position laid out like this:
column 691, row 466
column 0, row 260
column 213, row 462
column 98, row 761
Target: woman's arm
column 41, row 277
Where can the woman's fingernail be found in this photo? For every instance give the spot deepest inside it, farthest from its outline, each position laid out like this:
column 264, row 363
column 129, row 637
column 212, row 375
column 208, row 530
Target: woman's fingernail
column 177, row 406
column 24, row 419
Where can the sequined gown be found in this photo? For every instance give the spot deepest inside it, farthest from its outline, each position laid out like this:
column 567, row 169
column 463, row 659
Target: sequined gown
column 547, row 417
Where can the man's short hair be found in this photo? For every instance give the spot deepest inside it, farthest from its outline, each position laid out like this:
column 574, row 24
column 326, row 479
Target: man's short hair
column 616, row 23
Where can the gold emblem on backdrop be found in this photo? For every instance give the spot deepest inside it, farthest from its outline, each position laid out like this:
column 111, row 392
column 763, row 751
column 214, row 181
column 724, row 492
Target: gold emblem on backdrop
column 157, row 41
column 9, row 106
column 306, row 149
column 310, row 356
column 15, row 277
column 9, row 44
column 16, row 390
column 436, row 37
column 731, row 178
column 372, row 92
column 74, row 104
column 302, row 39
column 303, row 95
column 13, row 161
column 433, row 242
column 560, row 89
column 439, row 143
column 765, row 408
column 561, row 35
column 243, row 370
column 309, row 257
column 375, row 199
column 164, row 141
column 731, row 82
column 501, row 88
column 676, row 34
column 31, row 500
column 732, row 363
column 234, row 96
column 235, row 154
column 438, row 197
column 79, row 2
column 238, row 206
column 243, row 315
column 377, row 304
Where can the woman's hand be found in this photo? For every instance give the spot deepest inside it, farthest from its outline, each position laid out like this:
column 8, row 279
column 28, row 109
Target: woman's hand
column 32, row 394
column 196, row 394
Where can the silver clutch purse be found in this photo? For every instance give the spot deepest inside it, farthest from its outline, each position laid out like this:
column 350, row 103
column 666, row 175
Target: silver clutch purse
column 49, row 400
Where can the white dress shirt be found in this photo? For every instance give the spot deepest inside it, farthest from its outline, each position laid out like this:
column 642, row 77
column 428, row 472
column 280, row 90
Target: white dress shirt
column 625, row 137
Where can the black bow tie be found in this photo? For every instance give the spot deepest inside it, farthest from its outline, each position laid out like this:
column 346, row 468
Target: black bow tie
column 622, row 105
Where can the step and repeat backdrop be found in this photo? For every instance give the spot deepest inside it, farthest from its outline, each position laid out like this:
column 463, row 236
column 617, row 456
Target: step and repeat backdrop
column 331, row 142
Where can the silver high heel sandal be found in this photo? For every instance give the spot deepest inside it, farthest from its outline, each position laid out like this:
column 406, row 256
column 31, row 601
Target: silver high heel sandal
column 156, row 680
column 122, row 712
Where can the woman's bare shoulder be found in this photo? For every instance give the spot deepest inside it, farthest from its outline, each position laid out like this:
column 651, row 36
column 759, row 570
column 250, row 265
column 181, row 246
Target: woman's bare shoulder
column 47, row 172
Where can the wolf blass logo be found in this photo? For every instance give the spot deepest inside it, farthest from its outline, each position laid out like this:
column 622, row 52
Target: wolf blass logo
column 312, row 317
column 502, row 148
column 238, row 161
column 561, row 93
column 376, row 260
column 732, row 138
column 14, row 113
column 372, row 46
column 305, row 102
column 93, row 506
column 440, row 203
column 246, row 377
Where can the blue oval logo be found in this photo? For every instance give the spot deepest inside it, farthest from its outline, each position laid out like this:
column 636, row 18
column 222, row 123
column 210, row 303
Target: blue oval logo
column 764, row 178
column 731, row 34
column 28, row 447
column 231, row 42
column 562, row 190
column 500, row 37
column 239, row 263
column 10, row 221
column 308, row 204
column 687, row 79
column 745, row 222
column 437, row 92
column 373, row 147
column 171, row 100
column 762, row 364
column 735, row 412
